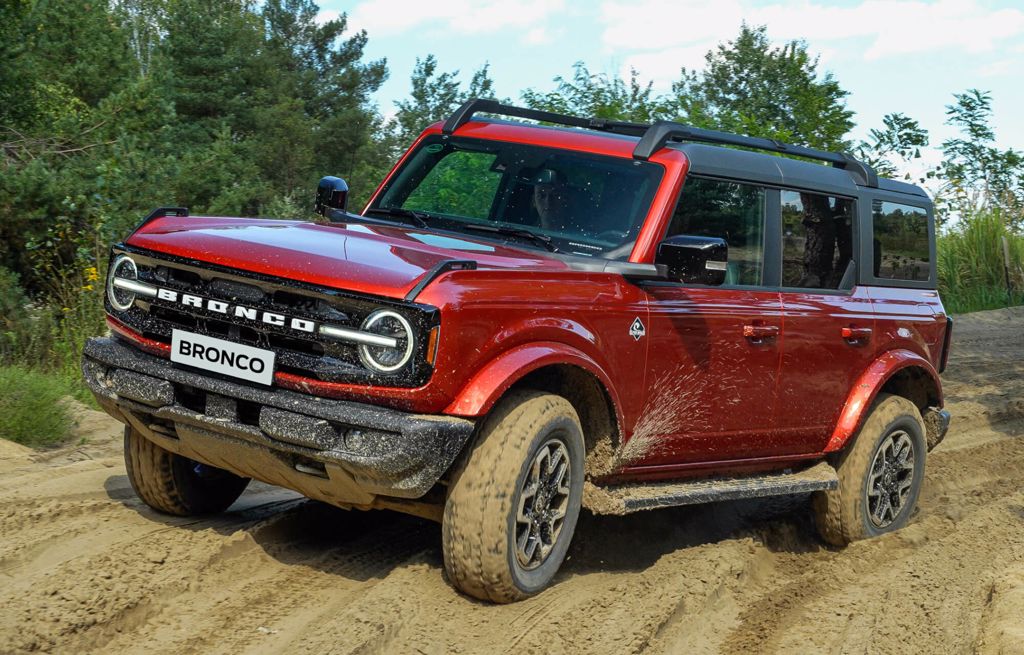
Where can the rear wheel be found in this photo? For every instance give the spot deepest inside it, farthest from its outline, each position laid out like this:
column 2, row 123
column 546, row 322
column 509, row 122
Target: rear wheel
column 174, row 484
column 512, row 505
column 880, row 475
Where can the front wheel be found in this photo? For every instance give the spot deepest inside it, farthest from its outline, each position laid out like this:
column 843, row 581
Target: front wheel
column 512, row 505
column 173, row 484
column 880, row 475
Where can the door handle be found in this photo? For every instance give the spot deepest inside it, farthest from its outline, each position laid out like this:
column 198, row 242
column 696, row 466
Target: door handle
column 759, row 332
column 856, row 333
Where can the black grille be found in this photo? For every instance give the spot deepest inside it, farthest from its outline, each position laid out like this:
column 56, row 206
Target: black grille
column 300, row 353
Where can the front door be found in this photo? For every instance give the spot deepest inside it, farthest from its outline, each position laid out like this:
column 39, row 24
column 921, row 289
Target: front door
column 714, row 352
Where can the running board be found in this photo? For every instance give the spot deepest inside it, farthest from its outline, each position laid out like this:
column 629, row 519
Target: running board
column 635, row 497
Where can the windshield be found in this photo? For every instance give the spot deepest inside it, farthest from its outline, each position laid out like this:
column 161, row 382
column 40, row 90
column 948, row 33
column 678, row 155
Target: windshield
column 562, row 200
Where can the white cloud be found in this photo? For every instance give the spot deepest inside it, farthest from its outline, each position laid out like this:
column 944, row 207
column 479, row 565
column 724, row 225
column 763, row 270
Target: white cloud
column 997, row 68
column 326, row 16
column 390, row 17
column 666, row 34
column 664, row 66
column 537, row 36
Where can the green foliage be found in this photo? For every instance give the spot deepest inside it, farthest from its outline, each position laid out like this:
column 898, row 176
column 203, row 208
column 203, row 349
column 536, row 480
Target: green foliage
column 750, row 87
column 33, row 411
column 602, row 96
column 972, row 275
column 894, row 146
column 433, row 96
column 977, row 175
column 16, row 326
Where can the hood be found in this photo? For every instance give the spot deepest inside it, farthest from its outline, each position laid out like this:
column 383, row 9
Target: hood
column 373, row 259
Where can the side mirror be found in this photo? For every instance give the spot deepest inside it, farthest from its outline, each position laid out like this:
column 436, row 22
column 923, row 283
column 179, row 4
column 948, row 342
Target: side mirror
column 700, row 260
column 331, row 193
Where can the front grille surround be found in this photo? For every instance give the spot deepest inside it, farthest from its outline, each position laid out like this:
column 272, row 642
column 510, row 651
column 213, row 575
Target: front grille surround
column 305, row 354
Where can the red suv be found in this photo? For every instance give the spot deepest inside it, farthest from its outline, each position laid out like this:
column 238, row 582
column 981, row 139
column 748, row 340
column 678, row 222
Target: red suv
column 526, row 320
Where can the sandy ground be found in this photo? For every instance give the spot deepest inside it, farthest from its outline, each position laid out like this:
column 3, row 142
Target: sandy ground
column 85, row 567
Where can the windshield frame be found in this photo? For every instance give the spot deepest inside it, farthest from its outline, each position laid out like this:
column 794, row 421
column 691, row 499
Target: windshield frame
column 412, row 171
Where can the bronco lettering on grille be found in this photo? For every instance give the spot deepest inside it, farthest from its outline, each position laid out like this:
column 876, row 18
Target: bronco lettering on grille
column 236, row 311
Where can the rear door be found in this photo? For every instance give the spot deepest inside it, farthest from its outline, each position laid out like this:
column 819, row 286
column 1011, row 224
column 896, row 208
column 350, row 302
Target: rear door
column 714, row 352
column 829, row 320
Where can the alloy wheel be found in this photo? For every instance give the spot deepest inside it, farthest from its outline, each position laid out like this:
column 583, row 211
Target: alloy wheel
column 890, row 478
column 543, row 503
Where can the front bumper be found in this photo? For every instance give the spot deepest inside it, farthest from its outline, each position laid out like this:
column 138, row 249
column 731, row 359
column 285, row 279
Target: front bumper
column 343, row 452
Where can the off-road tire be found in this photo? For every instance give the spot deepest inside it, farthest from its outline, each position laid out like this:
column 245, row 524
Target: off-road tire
column 479, row 524
column 843, row 515
column 170, row 483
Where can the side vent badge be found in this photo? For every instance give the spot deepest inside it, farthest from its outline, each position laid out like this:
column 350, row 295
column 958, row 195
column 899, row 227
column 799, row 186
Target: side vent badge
column 637, row 330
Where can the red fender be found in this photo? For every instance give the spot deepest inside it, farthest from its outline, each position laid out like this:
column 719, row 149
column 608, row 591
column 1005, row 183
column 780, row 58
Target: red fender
column 494, row 379
column 867, row 387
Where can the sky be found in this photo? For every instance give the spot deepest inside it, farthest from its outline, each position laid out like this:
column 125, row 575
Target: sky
column 907, row 56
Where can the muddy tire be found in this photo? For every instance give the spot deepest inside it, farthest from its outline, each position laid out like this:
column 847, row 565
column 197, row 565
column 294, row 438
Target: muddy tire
column 880, row 475
column 177, row 485
column 513, row 503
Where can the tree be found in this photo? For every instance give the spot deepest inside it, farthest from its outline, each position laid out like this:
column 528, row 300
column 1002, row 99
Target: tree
column 890, row 149
column 751, row 87
column 976, row 174
column 316, row 116
column 600, row 95
column 433, row 96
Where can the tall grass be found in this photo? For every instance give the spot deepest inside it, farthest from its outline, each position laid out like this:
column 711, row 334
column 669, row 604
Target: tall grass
column 972, row 275
column 47, row 335
column 32, row 407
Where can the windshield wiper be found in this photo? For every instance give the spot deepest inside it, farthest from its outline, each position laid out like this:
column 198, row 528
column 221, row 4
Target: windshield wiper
column 514, row 232
column 401, row 212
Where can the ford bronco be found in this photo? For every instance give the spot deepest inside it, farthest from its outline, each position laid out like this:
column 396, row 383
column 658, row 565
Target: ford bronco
column 528, row 319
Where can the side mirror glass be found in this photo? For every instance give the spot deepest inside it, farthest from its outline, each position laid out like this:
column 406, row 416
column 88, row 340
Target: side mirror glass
column 698, row 260
column 331, row 193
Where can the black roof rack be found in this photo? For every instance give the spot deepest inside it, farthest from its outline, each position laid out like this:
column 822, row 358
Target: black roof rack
column 465, row 112
column 654, row 137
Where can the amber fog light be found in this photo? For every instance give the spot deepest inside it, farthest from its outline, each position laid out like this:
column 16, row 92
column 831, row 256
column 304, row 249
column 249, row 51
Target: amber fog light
column 383, row 358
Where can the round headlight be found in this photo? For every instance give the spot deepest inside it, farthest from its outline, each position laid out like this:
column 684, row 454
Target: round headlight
column 123, row 268
column 382, row 358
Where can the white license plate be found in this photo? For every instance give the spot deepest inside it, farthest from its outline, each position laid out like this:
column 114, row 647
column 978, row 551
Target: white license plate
column 221, row 356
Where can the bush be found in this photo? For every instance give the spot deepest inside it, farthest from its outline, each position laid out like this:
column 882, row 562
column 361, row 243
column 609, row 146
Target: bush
column 33, row 411
column 972, row 276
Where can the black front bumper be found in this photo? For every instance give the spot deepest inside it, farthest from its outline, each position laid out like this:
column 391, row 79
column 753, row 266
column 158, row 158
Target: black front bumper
column 339, row 451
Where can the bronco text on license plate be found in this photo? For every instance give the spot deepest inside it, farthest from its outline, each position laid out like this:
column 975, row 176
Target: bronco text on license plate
column 220, row 356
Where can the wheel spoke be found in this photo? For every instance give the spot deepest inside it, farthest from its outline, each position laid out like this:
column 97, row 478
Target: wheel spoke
column 883, row 507
column 554, row 462
column 562, row 479
column 537, row 471
column 529, row 548
column 528, row 492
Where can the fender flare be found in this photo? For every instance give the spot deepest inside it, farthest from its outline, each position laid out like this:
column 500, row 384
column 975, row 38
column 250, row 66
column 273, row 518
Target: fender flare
column 484, row 389
column 866, row 388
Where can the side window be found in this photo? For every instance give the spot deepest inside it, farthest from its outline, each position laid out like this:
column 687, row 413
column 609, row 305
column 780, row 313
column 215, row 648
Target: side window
column 731, row 211
column 462, row 184
column 901, row 242
column 817, row 240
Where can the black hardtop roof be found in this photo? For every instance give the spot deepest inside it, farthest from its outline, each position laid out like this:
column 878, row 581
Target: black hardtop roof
column 780, row 171
column 843, row 177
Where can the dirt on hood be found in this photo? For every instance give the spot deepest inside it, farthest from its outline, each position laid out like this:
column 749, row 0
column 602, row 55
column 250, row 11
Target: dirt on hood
column 86, row 567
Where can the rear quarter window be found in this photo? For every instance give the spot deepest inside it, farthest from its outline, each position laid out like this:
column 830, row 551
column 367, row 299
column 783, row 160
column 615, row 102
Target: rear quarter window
column 901, row 250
